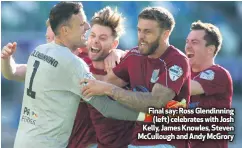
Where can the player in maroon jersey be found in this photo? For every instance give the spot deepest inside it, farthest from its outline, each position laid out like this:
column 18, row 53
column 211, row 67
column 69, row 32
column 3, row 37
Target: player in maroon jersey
column 106, row 28
column 155, row 67
column 211, row 84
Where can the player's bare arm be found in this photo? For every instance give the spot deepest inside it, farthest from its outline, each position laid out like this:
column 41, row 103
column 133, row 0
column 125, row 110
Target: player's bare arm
column 113, row 79
column 9, row 68
column 113, row 58
column 196, row 88
column 139, row 101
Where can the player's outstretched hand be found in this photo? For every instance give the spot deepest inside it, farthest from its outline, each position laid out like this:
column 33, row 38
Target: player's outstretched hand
column 8, row 50
column 113, row 58
column 94, row 88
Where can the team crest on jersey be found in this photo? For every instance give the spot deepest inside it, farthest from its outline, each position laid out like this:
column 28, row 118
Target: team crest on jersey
column 207, row 75
column 154, row 76
column 175, row 72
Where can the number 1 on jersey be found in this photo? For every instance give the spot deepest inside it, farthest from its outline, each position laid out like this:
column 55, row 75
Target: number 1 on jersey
column 30, row 92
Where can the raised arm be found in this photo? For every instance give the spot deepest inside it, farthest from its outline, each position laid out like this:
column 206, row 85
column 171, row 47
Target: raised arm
column 111, row 61
column 113, row 79
column 9, row 68
column 114, row 58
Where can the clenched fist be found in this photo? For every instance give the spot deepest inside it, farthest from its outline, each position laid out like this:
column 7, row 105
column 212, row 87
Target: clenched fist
column 8, row 50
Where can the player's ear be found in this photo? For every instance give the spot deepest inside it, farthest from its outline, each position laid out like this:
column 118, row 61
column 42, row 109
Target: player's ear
column 64, row 30
column 115, row 44
column 166, row 34
column 211, row 49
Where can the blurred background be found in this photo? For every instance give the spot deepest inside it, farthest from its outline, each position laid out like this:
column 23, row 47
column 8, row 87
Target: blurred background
column 24, row 22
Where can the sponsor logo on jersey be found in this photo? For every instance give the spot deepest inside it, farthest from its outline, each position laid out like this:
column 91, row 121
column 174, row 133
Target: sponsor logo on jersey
column 35, row 115
column 155, row 75
column 175, row 72
column 207, row 75
column 29, row 116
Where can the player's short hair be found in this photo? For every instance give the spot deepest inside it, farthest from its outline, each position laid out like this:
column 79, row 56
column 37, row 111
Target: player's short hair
column 163, row 17
column 212, row 34
column 47, row 23
column 110, row 18
column 62, row 12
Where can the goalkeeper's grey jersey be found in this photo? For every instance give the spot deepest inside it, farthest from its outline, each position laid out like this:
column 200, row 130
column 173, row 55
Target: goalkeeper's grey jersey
column 51, row 97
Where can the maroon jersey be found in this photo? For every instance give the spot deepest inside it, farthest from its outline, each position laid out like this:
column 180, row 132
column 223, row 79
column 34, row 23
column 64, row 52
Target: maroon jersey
column 110, row 133
column 171, row 70
column 85, row 57
column 217, row 85
column 218, row 90
column 83, row 132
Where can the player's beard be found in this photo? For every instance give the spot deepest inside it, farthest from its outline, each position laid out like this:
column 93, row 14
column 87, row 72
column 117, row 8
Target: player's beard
column 100, row 58
column 152, row 47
